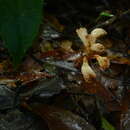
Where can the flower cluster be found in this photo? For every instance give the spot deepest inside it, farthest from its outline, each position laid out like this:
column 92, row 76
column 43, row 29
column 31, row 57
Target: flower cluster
column 93, row 50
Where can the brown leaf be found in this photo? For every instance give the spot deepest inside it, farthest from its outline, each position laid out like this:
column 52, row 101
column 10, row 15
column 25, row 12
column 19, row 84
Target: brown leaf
column 30, row 65
column 59, row 119
column 96, row 88
column 119, row 60
column 29, row 77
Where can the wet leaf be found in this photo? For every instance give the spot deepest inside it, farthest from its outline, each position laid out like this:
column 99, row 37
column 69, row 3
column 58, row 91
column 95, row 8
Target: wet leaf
column 120, row 60
column 26, row 77
column 45, row 88
column 97, row 88
column 50, row 33
column 63, row 64
column 10, row 82
column 126, row 120
column 17, row 120
column 6, row 97
column 59, row 119
column 30, row 65
column 54, row 22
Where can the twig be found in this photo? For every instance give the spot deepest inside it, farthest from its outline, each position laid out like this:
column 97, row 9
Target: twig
column 113, row 19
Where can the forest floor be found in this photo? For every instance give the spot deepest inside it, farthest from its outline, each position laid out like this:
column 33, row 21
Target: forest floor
column 53, row 90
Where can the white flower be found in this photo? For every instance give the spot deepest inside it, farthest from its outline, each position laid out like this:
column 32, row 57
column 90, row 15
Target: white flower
column 92, row 50
column 87, row 71
column 98, row 32
column 99, row 48
column 82, row 33
column 89, row 40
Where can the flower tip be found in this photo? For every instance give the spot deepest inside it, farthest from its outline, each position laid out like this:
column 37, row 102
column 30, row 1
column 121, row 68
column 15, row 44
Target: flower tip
column 88, row 73
column 104, row 62
column 82, row 33
column 98, row 32
column 98, row 48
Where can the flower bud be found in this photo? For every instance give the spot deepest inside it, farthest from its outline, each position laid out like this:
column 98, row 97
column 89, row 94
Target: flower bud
column 97, row 47
column 66, row 45
column 104, row 62
column 87, row 71
column 98, row 32
column 82, row 33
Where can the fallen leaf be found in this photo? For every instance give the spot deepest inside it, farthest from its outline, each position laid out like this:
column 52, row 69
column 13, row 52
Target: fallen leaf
column 59, row 119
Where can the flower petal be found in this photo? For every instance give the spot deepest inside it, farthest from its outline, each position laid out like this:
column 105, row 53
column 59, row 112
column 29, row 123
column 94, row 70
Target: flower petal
column 97, row 47
column 87, row 71
column 104, row 62
column 98, row 32
column 82, row 33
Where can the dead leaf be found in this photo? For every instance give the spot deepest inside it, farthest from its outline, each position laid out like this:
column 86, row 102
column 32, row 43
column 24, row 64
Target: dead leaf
column 59, row 119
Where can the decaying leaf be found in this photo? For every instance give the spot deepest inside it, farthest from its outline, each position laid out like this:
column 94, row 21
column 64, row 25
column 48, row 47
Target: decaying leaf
column 44, row 89
column 8, row 82
column 59, row 119
column 6, row 97
column 66, row 45
column 119, row 59
column 29, row 77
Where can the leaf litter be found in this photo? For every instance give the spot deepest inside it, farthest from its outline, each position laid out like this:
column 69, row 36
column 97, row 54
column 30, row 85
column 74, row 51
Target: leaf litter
column 63, row 71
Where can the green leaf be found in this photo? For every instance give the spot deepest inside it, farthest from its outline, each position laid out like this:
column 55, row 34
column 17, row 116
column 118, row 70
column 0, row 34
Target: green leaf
column 106, row 125
column 19, row 25
column 106, row 14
